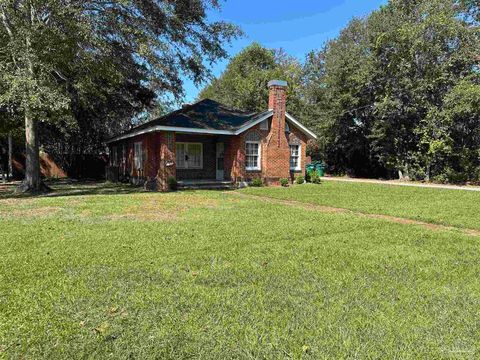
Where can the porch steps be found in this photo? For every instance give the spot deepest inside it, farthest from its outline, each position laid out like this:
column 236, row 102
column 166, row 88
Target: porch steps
column 205, row 185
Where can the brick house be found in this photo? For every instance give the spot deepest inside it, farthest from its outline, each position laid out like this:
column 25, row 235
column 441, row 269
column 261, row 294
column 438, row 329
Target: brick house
column 208, row 141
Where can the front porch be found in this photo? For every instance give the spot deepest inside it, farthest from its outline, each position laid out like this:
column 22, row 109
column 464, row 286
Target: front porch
column 200, row 158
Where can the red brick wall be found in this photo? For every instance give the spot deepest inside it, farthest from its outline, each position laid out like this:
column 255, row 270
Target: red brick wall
column 275, row 149
column 151, row 148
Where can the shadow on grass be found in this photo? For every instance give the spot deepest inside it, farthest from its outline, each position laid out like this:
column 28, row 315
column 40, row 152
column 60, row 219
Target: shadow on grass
column 69, row 187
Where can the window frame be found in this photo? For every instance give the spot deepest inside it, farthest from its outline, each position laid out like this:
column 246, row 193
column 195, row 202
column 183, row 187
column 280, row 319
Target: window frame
column 259, row 156
column 187, row 166
column 299, row 157
column 138, row 157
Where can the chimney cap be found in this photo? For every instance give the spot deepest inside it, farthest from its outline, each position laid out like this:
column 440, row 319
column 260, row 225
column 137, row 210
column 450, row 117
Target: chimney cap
column 282, row 83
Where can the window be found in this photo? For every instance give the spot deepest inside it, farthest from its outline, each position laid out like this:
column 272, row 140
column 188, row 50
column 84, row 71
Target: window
column 138, row 158
column 189, row 155
column 295, row 157
column 287, row 127
column 252, row 155
column 264, row 125
column 114, row 156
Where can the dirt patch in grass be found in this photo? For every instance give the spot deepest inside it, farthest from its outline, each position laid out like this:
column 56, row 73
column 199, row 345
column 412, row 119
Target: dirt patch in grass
column 16, row 201
column 143, row 216
column 38, row 212
column 329, row 209
column 162, row 209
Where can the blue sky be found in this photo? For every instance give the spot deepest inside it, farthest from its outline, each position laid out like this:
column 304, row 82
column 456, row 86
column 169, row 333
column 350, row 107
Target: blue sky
column 297, row 26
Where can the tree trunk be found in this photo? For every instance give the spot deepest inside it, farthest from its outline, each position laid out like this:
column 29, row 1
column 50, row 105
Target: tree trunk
column 10, row 156
column 32, row 168
column 32, row 182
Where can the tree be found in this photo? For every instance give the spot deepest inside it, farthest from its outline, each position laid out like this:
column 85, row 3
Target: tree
column 384, row 86
column 148, row 44
column 243, row 85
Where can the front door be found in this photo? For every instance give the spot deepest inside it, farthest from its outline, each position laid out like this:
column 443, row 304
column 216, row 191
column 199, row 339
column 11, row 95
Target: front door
column 219, row 165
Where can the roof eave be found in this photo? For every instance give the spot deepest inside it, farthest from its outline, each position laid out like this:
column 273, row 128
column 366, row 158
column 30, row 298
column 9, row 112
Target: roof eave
column 170, row 128
column 249, row 125
column 310, row 133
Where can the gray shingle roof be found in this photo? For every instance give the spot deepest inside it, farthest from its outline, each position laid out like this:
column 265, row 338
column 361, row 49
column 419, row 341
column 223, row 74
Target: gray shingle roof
column 206, row 114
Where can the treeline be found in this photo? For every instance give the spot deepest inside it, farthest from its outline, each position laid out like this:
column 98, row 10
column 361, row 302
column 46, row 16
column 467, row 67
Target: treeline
column 396, row 94
column 74, row 72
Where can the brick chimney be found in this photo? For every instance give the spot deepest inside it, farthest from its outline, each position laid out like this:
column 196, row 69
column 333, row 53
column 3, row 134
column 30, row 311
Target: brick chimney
column 277, row 98
column 277, row 149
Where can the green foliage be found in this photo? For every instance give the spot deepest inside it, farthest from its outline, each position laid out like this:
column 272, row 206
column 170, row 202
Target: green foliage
column 300, row 180
column 314, row 178
column 85, row 68
column 243, row 84
column 382, row 92
column 172, row 183
column 257, row 182
column 284, row 182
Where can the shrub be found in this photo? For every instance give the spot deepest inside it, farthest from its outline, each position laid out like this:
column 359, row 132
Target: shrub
column 315, row 179
column 307, row 177
column 300, row 179
column 257, row 182
column 172, row 183
column 284, row 182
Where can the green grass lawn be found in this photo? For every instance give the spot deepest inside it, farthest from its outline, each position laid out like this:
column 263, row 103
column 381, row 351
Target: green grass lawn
column 111, row 272
column 442, row 206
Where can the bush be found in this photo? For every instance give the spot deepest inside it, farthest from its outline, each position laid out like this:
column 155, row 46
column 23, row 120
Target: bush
column 257, row 182
column 172, row 183
column 300, row 179
column 284, row 182
column 307, row 177
column 315, row 179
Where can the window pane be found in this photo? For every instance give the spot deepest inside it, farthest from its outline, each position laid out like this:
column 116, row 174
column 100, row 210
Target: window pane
column 194, row 155
column 180, row 155
column 252, row 155
column 294, row 156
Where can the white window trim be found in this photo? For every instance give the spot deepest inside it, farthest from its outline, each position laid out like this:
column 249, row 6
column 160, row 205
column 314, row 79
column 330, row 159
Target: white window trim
column 187, row 167
column 138, row 156
column 299, row 165
column 259, row 166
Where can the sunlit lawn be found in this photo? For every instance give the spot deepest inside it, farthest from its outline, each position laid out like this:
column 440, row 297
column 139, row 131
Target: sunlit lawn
column 450, row 207
column 111, row 272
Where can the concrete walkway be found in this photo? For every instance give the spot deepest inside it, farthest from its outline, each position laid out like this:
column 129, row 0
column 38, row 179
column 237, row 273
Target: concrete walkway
column 402, row 183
